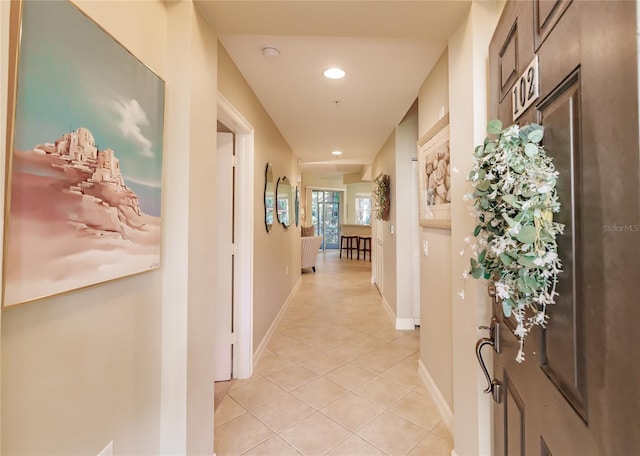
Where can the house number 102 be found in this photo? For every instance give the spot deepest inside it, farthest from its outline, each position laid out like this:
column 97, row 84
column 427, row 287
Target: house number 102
column 526, row 90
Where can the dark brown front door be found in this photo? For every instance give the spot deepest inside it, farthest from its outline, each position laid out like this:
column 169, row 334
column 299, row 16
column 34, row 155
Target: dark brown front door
column 578, row 391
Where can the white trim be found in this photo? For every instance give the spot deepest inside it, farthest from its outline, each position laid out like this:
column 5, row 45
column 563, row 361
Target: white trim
column 445, row 411
column 403, row 324
column 326, row 189
column 267, row 337
column 243, row 284
column 387, row 307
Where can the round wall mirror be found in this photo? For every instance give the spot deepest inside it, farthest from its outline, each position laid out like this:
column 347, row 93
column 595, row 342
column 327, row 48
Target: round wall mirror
column 269, row 197
column 284, row 201
column 297, row 205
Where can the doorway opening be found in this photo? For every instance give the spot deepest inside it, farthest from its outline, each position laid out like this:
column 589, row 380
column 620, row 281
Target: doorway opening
column 325, row 214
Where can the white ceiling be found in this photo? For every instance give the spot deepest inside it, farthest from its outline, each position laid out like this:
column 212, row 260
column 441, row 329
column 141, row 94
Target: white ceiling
column 387, row 49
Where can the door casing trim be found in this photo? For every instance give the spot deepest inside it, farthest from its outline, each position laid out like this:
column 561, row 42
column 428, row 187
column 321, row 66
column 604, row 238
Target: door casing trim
column 243, row 264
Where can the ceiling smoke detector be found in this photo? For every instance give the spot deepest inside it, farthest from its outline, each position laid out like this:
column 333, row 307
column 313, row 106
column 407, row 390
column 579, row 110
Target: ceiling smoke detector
column 270, row 52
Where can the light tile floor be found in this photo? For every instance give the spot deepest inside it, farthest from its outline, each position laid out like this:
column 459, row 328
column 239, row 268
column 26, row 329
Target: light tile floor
column 335, row 379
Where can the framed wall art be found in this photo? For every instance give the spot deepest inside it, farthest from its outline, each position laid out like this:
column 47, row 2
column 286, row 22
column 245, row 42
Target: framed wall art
column 84, row 169
column 434, row 176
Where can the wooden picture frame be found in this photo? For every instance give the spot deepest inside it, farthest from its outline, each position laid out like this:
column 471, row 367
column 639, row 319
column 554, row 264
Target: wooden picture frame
column 434, row 177
column 84, row 156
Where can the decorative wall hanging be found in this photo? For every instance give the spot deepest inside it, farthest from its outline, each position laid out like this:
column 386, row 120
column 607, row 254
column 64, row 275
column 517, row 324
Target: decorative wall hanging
column 382, row 196
column 84, row 173
column 514, row 197
column 434, row 176
column 269, row 197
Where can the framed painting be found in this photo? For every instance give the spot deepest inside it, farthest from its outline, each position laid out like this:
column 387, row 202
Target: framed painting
column 434, row 176
column 84, row 171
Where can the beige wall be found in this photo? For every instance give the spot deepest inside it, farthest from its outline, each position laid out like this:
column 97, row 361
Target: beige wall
column 436, row 340
column 385, row 163
column 433, row 96
column 468, row 89
column 276, row 254
column 120, row 371
column 394, row 159
column 352, row 189
column 435, row 269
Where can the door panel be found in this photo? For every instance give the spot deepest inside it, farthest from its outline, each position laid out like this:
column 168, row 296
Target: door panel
column 509, row 61
column 562, row 353
column 514, row 420
column 546, row 13
column 576, row 392
column 223, row 299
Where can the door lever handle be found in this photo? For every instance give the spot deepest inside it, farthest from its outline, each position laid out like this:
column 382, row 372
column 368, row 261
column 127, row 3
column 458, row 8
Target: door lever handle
column 494, row 333
column 493, row 385
column 481, row 343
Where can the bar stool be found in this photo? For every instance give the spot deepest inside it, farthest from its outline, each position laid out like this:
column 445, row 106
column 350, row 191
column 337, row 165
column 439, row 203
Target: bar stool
column 348, row 243
column 364, row 246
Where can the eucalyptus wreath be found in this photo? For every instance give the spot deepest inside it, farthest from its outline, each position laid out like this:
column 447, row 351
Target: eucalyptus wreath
column 382, row 195
column 514, row 197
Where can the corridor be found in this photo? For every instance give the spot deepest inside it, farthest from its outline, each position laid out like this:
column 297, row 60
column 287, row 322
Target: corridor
column 335, row 379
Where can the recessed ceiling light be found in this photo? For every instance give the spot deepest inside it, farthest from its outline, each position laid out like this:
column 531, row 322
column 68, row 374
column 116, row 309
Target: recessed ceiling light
column 334, row 73
column 336, row 153
column 270, row 52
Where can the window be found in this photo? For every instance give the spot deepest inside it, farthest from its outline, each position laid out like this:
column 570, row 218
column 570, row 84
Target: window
column 363, row 208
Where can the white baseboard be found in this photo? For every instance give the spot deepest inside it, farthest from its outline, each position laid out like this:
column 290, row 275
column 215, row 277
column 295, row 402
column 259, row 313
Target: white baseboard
column 387, row 307
column 438, row 398
column 405, row 324
column 267, row 337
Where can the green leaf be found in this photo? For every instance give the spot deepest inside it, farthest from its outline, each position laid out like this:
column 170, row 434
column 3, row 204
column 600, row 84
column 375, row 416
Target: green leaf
column 494, row 127
column 506, row 259
column 484, row 203
column 531, row 150
column 509, row 220
column 527, row 234
column 509, row 199
column 536, row 135
column 476, row 269
column 506, row 309
column 477, row 230
column 481, row 256
column 532, row 283
column 522, row 134
column 545, row 236
column 527, row 262
column 524, row 216
column 483, row 185
column 490, row 147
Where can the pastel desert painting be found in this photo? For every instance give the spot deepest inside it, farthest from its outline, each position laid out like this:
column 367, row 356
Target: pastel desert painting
column 85, row 176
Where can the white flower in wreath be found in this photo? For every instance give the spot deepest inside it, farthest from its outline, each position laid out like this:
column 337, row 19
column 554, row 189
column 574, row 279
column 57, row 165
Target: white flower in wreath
column 502, row 290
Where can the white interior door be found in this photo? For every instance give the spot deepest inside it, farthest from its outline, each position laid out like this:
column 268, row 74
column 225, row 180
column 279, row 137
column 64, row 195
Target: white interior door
column 415, row 245
column 223, row 300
